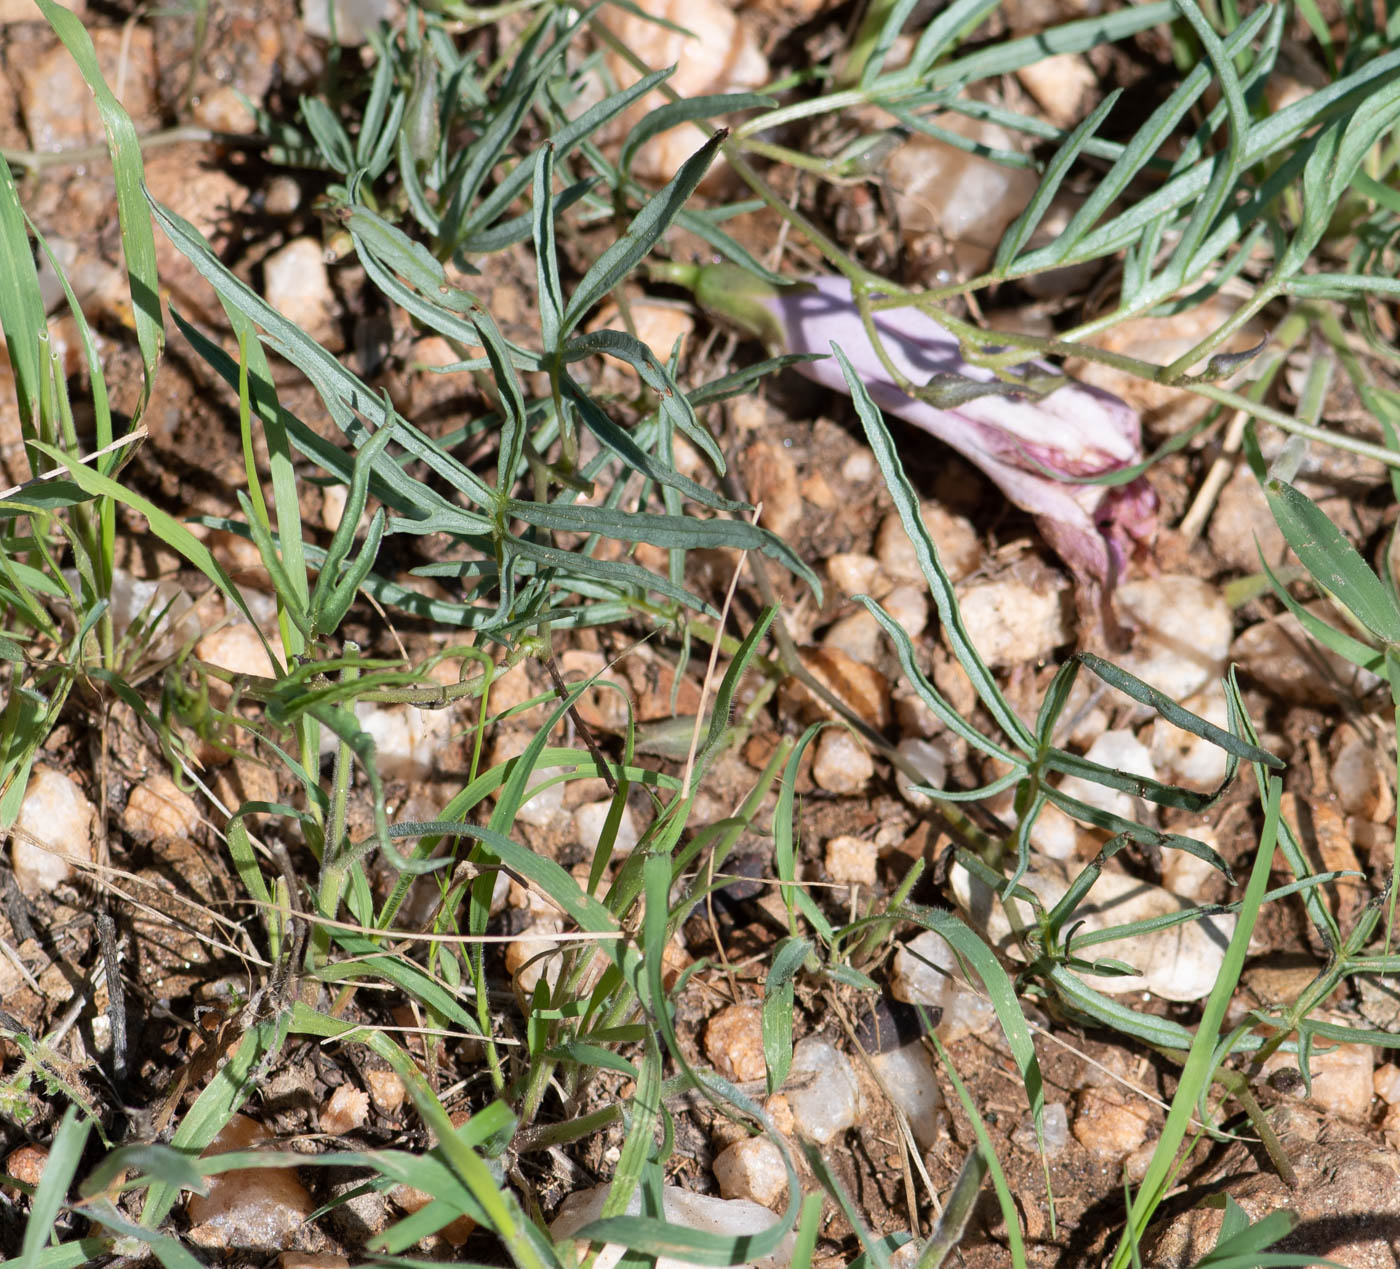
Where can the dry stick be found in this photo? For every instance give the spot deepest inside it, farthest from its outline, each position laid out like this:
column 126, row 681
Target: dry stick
column 690, row 760
column 561, row 690
column 1195, row 519
column 714, row 660
column 65, row 469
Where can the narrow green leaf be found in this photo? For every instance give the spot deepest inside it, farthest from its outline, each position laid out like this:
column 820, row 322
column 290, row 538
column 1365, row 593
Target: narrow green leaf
column 133, row 216
column 1332, row 561
column 65, row 1153
column 686, row 110
column 547, row 288
column 647, row 226
column 778, row 1007
column 940, row 584
column 1019, row 231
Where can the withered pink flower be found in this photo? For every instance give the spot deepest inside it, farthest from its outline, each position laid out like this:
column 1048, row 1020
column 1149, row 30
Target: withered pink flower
column 1074, row 431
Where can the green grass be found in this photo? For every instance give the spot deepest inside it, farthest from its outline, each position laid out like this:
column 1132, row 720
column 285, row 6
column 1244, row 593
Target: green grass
column 1301, row 203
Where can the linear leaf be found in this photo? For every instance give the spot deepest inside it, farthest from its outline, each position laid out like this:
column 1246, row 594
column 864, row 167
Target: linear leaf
column 647, row 226
column 133, row 216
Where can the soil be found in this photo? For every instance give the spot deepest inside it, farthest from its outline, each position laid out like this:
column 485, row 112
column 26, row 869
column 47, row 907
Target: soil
column 191, row 956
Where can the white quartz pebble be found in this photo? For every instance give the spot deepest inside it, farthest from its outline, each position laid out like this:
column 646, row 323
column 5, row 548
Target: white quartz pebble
column 752, row 1169
column 927, row 973
column 907, row 1076
column 298, row 286
column 1182, row 632
column 930, row 760
column 54, row 820
column 590, row 820
column 822, row 1090
column 679, row 1207
column 1123, row 752
column 1012, row 623
column 842, row 764
column 408, row 741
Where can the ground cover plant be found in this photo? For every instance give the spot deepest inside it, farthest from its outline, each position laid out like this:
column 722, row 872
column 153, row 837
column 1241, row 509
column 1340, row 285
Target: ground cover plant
column 605, row 665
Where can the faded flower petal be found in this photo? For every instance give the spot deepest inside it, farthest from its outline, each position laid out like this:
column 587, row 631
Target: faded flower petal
column 1076, row 430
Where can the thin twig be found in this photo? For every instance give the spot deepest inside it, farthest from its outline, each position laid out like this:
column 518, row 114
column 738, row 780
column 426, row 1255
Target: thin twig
column 136, row 434
column 714, row 660
column 1195, row 519
column 561, row 689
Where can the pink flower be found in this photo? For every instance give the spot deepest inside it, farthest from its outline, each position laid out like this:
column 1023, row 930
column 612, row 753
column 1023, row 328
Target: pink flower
column 1020, row 442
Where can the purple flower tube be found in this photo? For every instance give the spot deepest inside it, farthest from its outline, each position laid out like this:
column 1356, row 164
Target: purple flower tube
column 1075, row 430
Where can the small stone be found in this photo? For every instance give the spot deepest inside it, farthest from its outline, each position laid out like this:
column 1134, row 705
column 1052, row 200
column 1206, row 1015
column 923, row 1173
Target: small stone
column 1188, row 875
column 54, row 821
column 346, row 1110
column 409, row 743
column 752, row 1169
column 1109, row 1127
column 1055, row 835
column 297, row 285
column 533, row 956
column 822, row 1090
column 734, row 1043
column 943, row 194
column 770, row 478
column 1011, row 622
column 907, row 1075
column 931, row 761
column 1120, row 751
column 678, row 1207
column 28, row 11
column 1186, row 759
column 908, row 605
column 1177, row 962
column 590, row 819
column 1282, row 657
column 262, row 1208
column 411, row 1200
column 544, row 802
column 927, row 973
column 222, row 109
column 237, row 648
column 1054, row 1127
column 857, row 635
column 1061, row 85
column 164, row 610
column 713, row 50
column 386, row 1089
column 780, row 1112
column 864, row 690
column 1182, row 630
column 1242, row 526
column 26, row 1164
column 959, row 548
column 906, row 1256
column 311, row 1260
column 860, row 467
column 1343, row 1077
column 854, row 574
column 656, row 324
column 1385, row 1080
column 851, row 861
column 58, row 108
column 1359, row 777
column 157, row 808
column 1161, row 340
column 842, row 764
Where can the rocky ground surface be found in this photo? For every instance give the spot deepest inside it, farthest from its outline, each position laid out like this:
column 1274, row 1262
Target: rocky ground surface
column 873, row 1098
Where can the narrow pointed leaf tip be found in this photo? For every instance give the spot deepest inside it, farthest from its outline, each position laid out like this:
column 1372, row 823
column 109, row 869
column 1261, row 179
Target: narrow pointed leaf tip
column 1076, row 431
